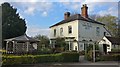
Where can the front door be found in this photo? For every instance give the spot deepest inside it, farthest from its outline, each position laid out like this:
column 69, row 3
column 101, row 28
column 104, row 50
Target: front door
column 105, row 48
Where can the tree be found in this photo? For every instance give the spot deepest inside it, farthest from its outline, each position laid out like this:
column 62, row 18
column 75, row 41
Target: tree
column 60, row 43
column 44, row 41
column 12, row 24
column 109, row 21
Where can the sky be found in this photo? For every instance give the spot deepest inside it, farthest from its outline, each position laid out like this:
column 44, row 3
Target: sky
column 41, row 14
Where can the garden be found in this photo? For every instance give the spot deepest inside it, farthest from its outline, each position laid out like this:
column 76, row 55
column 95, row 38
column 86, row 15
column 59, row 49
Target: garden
column 114, row 55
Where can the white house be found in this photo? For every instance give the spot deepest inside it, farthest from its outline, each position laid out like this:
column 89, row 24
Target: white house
column 78, row 30
column 106, row 44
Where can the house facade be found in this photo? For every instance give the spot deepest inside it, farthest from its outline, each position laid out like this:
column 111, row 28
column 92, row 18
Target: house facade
column 78, row 30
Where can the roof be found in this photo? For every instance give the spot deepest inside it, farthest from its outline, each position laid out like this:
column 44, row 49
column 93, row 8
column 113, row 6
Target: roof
column 64, row 38
column 114, row 40
column 76, row 17
column 22, row 38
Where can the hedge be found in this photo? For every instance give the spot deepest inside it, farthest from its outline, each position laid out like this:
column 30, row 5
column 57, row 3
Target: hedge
column 32, row 59
column 114, row 57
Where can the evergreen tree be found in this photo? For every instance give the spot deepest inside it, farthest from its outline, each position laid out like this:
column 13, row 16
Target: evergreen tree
column 12, row 24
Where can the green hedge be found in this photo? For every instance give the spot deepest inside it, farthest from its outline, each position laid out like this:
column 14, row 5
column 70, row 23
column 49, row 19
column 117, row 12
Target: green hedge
column 31, row 59
column 114, row 57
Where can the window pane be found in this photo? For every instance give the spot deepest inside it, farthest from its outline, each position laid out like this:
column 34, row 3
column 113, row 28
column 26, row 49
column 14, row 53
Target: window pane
column 54, row 32
column 61, row 31
column 98, row 31
column 69, row 29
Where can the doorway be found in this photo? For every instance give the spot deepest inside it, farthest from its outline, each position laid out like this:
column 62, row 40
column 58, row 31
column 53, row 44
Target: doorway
column 105, row 48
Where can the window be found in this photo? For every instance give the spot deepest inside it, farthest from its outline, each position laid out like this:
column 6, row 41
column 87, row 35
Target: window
column 104, row 33
column 98, row 31
column 69, row 29
column 54, row 32
column 75, row 47
column 61, row 31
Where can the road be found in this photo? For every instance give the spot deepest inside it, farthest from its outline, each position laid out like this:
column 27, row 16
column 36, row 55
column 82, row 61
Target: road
column 97, row 64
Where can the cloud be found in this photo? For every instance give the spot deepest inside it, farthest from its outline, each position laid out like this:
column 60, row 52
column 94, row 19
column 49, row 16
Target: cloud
column 44, row 14
column 30, row 10
column 41, row 7
column 111, row 11
column 35, row 30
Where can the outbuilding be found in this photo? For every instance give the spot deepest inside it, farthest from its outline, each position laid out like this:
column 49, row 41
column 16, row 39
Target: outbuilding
column 21, row 44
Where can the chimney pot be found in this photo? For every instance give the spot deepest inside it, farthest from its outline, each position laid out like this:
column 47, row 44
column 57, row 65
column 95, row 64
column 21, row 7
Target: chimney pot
column 84, row 11
column 66, row 15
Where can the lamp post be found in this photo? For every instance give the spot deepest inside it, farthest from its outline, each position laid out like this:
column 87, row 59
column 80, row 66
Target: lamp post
column 94, row 52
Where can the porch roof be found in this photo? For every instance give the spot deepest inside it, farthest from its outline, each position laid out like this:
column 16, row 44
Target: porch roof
column 114, row 40
column 22, row 38
column 63, row 37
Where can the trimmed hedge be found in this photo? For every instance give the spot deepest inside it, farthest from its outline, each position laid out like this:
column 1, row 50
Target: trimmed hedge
column 114, row 57
column 31, row 59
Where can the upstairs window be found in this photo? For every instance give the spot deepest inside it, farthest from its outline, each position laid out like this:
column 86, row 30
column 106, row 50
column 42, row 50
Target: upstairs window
column 54, row 32
column 98, row 31
column 69, row 29
column 104, row 33
column 61, row 31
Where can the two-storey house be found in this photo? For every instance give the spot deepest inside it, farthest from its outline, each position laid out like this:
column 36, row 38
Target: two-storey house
column 78, row 30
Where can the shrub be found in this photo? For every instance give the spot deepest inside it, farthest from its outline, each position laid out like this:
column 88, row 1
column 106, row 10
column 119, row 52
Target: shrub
column 114, row 57
column 82, row 52
column 89, row 53
column 30, row 59
column 115, row 50
column 70, row 57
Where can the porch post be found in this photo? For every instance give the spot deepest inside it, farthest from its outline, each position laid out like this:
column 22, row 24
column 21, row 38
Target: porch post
column 69, row 45
column 7, row 46
column 27, row 46
column 78, row 45
column 13, row 46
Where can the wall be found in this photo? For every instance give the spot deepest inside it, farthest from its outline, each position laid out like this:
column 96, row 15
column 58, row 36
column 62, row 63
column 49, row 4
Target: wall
column 74, row 25
column 74, row 33
column 90, row 32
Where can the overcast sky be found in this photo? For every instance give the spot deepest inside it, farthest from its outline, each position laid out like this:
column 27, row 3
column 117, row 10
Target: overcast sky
column 40, row 14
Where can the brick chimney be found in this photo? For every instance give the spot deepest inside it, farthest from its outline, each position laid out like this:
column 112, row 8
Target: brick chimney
column 66, row 15
column 84, row 11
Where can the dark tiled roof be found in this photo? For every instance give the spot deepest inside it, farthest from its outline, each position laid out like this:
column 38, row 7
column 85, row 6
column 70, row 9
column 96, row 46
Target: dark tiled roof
column 22, row 38
column 76, row 17
column 114, row 40
column 64, row 38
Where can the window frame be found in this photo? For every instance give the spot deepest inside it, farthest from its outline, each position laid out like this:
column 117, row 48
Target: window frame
column 54, row 32
column 97, row 31
column 61, row 31
column 69, row 29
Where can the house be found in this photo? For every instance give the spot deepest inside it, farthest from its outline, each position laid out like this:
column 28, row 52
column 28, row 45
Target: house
column 107, row 43
column 21, row 44
column 78, row 30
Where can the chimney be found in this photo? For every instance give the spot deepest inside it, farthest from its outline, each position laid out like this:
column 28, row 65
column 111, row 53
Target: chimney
column 66, row 15
column 84, row 11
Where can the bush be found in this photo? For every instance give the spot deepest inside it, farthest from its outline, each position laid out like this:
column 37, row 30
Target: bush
column 115, row 50
column 89, row 53
column 44, row 51
column 115, row 57
column 30, row 59
column 70, row 57
column 82, row 52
